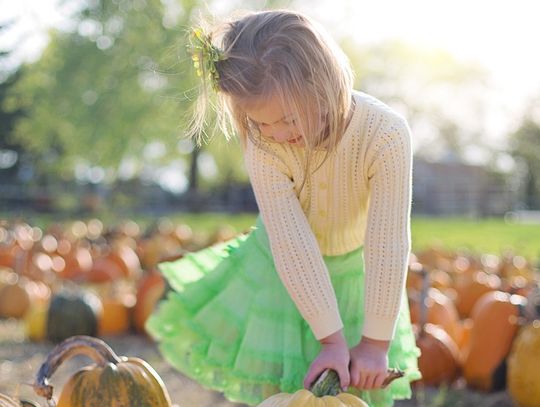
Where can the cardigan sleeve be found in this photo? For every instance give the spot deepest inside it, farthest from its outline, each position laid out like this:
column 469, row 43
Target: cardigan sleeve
column 387, row 242
column 295, row 250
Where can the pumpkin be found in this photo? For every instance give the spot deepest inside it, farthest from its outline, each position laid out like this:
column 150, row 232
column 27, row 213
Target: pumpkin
column 73, row 312
column 523, row 373
column 35, row 321
column 111, row 381
column 126, row 258
column 439, row 357
column 325, row 392
column 495, row 324
column 14, row 299
column 440, row 311
column 470, row 287
column 78, row 263
column 104, row 270
column 18, row 293
column 149, row 291
column 116, row 317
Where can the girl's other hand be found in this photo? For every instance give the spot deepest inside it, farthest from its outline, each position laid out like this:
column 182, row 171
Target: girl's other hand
column 334, row 354
column 369, row 363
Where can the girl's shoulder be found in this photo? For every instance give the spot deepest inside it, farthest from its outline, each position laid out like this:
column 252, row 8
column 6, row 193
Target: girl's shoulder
column 378, row 120
column 375, row 107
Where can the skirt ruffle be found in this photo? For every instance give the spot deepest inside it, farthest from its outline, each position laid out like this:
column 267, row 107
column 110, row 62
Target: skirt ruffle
column 229, row 323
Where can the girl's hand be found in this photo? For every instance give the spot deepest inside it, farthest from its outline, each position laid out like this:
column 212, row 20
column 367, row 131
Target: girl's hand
column 334, row 354
column 369, row 363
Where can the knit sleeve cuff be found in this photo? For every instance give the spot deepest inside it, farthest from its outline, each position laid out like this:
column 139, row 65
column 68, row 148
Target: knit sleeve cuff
column 325, row 324
column 379, row 328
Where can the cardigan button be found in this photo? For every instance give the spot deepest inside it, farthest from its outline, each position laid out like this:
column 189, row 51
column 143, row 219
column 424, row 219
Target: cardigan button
column 323, row 185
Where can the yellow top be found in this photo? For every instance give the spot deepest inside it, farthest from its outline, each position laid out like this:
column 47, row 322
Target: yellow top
column 360, row 196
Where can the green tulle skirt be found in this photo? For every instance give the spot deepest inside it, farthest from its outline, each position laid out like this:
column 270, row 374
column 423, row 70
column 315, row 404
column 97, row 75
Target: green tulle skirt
column 229, row 323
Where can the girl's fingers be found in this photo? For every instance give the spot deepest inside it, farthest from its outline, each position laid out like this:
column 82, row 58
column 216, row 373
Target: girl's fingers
column 369, row 381
column 344, row 378
column 312, row 375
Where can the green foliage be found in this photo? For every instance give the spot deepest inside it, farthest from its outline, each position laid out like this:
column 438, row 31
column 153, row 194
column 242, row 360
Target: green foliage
column 121, row 79
column 105, row 90
column 525, row 146
column 442, row 98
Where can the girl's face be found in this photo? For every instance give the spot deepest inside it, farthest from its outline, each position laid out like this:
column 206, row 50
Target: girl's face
column 274, row 122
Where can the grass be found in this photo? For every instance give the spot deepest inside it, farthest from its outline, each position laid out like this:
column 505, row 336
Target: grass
column 477, row 235
column 481, row 235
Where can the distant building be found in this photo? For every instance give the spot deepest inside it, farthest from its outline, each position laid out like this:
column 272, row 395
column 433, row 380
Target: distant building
column 457, row 189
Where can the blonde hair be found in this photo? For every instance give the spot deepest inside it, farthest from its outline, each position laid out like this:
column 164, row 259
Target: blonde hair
column 279, row 53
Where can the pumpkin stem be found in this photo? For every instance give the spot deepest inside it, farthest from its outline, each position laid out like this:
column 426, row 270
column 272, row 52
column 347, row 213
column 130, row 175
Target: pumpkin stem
column 94, row 348
column 328, row 383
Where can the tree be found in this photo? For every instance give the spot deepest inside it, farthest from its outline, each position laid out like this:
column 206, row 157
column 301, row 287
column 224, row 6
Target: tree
column 121, row 79
column 11, row 151
column 105, row 90
column 525, row 148
column 443, row 99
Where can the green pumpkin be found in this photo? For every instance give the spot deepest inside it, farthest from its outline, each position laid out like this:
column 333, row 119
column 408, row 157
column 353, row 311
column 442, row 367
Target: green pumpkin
column 73, row 312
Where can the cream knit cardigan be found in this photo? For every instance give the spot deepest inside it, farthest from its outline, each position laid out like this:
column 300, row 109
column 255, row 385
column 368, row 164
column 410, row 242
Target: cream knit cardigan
column 360, row 196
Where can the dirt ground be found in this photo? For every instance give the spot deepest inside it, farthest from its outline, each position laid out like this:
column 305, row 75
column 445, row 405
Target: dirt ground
column 20, row 360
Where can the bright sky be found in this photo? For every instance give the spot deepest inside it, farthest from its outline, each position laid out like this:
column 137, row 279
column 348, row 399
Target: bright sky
column 502, row 35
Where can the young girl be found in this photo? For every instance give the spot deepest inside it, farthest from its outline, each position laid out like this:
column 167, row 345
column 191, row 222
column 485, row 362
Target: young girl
column 267, row 312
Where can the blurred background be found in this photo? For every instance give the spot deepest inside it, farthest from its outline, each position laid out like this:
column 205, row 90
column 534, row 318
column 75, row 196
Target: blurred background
column 95, row 96
column 98, row 183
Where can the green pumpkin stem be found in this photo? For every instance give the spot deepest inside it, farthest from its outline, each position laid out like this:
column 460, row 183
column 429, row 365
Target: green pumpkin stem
column 94, row 348
column 328, row 383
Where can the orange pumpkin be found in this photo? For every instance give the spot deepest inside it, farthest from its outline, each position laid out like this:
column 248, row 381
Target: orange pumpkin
column 126, row 258
column 116, row 317
column 149, row 290
column 471, row 286
column 495, row 324
column 112, row 381
column 440, row 311
column 439, row 358
column 78, row 263
column 104, row 270
column 18, row 293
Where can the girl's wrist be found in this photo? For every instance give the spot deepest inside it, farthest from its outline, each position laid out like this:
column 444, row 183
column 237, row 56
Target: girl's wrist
column 337, row 338
column 381, row 344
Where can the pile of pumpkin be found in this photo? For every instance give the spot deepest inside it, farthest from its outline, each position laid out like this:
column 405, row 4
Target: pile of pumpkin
column 85, row 279
column 476, row 316
column 477, row 320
